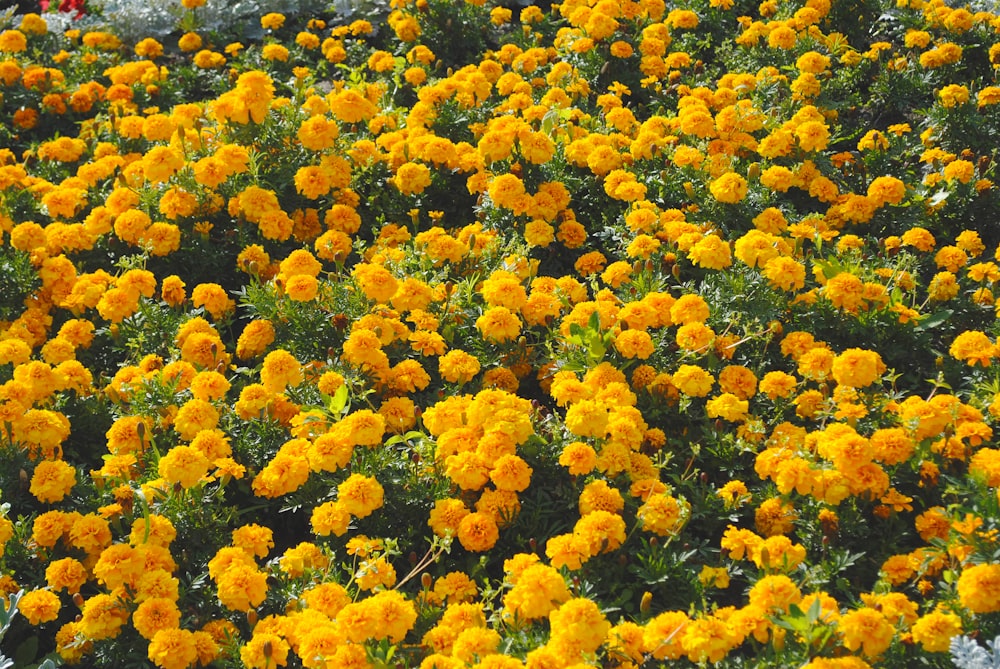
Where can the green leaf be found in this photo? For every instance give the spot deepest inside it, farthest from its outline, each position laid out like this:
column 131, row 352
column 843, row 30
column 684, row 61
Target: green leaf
column 338, row 401
column 931, row 321
column 26, row 652
column 594, row 323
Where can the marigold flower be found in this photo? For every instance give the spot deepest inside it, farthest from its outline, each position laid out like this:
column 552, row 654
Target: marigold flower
column 728, row 407
column 979, row 588
column 241, row 587
column 183, row 465
column 538, row 590
column 155, row 614
column 708, row 638
column 857, row 368
column 663, row 634
column 729, row 188
column 693, row 380
column 457, row 366
column 66, row 573
column 662, row 514
column 785, row 273
column 775, row 592
column 90, row 533
column 973, row 347
column 103, row 617
column 478, row 532
column 39, row 606
column 52, row 480
column 867, row 629
column 603, row 531
column 711, row 252
column 935, row 630
column 845, row 291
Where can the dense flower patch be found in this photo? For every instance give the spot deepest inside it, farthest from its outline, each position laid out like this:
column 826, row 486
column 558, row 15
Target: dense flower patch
column 615, row 335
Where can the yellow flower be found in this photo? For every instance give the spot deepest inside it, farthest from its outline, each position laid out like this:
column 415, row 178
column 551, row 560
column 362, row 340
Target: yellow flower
column 39, row 606
column 183, row 465
column 274, row 52
column 729, row 188
column 935, row 630
column 173, row 648
column 360, row 495
column 662, row 636
column 857, row 368
column 867, row 629
column 775, row 517
column 602, row 530
column 728, row 407
column 774, row 593
column 973, row 347
column 66, row 573
column 280, row 370
column 537, row 591
column 213, row 298
column 255, row 338
column 478, row 532
column 330, row 517
column 693, row 381
column 953, row 95
column 979, row 588
column 265, row 650
column 13, row 41
column 708, row 638
column 578, row 626
column 457, row 366
column 155, row 614
column 103, row 617
column 711, row 252
column 189, row 42
column 52, row 480
column 499, row 324
column 242, row 587
column 662, row 514
column 272, row 21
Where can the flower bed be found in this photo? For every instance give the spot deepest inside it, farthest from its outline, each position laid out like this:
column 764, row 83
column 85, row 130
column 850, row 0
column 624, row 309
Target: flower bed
column 614, row 335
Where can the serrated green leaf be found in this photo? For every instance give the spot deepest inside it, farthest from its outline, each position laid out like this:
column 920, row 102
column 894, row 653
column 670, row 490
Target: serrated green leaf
column 594, row 322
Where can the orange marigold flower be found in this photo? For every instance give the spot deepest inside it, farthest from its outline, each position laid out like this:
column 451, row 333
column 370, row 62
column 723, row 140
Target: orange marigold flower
column 478, row 532
column 39, row 606
column 867, row 629
column 52, row 480
column 973, row 347
column 935, row 630
column 173, row 648
column 979, row 588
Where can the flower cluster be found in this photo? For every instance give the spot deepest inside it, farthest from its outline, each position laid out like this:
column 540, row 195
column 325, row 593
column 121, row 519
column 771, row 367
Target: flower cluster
column 611, row 335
